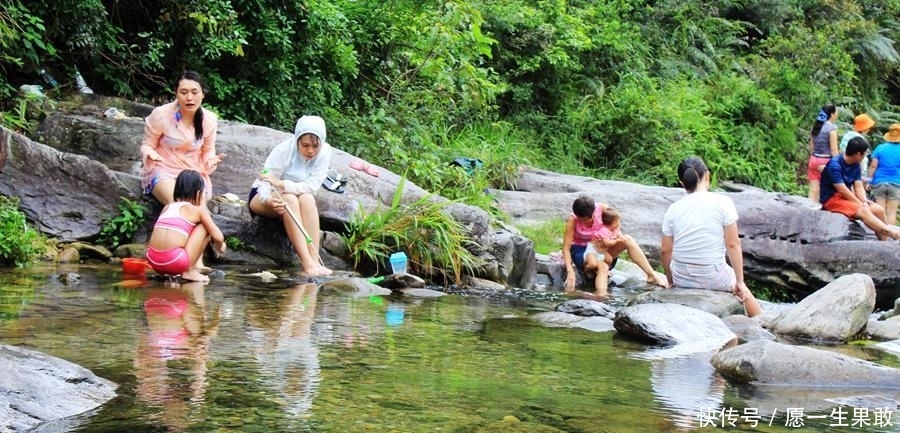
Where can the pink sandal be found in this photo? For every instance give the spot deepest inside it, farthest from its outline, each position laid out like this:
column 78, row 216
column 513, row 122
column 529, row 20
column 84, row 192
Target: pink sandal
column 361, row 166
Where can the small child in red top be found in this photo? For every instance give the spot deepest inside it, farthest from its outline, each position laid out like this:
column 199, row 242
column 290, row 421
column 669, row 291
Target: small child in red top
column 596, row 257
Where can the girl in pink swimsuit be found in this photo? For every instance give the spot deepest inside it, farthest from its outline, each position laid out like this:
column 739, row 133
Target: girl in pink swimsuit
column 183, row 230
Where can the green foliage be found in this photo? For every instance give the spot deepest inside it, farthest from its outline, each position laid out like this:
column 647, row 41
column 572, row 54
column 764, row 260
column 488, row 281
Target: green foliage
column 433, row 241
column 22, row 43
column 24, row 112
column 423, row 153
column 17, row 118
column 610, row 88
column 120, row 229
column 19, row 243
column 547, row 236
column 236, row 244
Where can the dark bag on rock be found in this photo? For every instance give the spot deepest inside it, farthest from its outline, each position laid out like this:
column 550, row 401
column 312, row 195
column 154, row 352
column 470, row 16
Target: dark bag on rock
column 334, row 182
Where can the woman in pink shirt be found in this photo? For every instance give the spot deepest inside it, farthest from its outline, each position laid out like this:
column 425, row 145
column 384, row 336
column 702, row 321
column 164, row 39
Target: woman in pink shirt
column 178, row 136
column 585, row 220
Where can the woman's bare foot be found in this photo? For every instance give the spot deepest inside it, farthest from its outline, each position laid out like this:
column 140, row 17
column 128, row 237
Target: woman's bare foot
column 894, row 234
column 194, row 275
column 596, row 296
column 655, row 279
column 317, row 271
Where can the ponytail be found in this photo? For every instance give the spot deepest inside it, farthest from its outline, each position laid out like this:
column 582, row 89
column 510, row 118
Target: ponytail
column 198, row 124
column 691, row 172
column 823, row 116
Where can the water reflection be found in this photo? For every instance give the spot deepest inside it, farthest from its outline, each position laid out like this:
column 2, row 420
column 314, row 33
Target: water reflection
column 280, row 340
column 394, row 315
column 686, row 385
column 173, row 351
column 244, row 356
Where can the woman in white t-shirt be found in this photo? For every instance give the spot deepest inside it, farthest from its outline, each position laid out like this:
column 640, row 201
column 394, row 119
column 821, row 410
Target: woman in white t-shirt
column 698, row 230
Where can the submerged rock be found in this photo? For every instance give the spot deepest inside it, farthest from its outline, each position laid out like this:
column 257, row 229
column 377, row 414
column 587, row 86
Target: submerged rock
column 355, row 287
column 37, row 388
column 587, row 308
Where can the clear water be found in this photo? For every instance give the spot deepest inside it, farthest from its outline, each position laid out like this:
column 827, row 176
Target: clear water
column 241, row 355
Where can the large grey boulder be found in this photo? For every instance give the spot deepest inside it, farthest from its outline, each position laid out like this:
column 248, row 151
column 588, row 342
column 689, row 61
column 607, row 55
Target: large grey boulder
column 37, row 388
column 671, row 324
column 66, row 195
column 721, row 304
column 834, row 313
column 883, row 330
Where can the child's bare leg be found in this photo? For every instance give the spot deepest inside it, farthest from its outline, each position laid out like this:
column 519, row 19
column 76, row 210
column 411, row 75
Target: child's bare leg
column 601, row 281
column 200, row 266
column 195, row 245
column 590, row 263
column 636, row 254
column 309, row 214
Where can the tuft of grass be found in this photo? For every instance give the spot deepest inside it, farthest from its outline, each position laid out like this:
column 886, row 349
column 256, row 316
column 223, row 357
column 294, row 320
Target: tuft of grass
column 236, row 244
column 433, row 241
column 547, row 236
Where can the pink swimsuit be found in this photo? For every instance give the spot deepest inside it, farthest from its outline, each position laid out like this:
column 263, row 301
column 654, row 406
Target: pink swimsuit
column 165, row 306
column 173, row 261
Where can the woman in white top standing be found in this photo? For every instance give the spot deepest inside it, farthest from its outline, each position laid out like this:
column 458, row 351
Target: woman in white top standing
column 698, row 230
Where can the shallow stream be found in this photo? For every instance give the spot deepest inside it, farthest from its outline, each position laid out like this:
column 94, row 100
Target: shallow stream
column 242, row 355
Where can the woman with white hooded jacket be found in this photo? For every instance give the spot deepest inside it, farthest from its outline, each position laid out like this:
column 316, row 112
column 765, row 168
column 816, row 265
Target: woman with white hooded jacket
column 296, row 168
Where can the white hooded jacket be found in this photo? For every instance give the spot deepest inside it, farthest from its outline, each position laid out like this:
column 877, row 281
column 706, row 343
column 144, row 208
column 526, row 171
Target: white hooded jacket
column 286, row 163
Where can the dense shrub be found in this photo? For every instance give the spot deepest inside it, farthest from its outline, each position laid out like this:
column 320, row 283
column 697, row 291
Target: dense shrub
column 611, row 88
column 20, row 244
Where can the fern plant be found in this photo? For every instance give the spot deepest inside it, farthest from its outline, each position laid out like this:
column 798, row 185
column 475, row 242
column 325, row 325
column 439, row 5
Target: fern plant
column 121, row 228
column 433, row 241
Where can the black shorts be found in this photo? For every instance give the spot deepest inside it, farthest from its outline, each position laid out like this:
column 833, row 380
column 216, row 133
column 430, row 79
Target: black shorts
column 253, row 192
column 577, row 253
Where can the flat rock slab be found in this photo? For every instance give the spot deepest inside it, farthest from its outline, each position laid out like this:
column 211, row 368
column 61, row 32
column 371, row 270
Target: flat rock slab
column 769, row 362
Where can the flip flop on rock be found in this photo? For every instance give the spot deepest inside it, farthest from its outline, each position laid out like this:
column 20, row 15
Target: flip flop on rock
column 362, row 166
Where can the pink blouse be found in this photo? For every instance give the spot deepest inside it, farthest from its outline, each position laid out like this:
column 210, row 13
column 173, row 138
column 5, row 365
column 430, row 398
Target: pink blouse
column 175, row 142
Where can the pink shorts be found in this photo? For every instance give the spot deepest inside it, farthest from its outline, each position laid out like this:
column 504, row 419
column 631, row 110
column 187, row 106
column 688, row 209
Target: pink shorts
column 814, row 167
column 174, row 261
column 841, row 205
